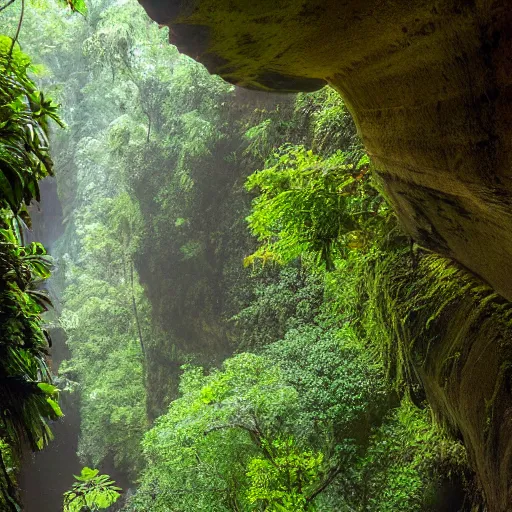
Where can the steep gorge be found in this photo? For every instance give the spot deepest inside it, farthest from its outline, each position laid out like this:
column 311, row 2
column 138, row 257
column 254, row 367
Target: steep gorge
column 429, row 86
column 151, row 177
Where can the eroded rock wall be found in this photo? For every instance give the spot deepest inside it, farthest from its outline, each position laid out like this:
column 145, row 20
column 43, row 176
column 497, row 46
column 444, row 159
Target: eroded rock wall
column 453, row 334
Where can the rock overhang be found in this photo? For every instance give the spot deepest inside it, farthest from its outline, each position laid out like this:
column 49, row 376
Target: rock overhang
column 429, row 83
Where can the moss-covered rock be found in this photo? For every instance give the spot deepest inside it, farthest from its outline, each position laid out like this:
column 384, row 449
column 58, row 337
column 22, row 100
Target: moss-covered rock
column 444, row 329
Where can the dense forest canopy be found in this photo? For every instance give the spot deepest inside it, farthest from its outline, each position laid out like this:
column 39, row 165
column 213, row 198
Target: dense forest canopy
column 245, row 325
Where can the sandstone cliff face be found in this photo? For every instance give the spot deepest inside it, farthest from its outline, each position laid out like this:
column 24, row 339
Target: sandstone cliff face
column 453, row 334
column 429, row 84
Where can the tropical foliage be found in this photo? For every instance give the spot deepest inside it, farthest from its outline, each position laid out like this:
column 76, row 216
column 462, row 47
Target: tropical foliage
column 91, row 492
column 28, row 397
column 105, row 318
column 310, row 205
column 243, row 439
column 207, row 385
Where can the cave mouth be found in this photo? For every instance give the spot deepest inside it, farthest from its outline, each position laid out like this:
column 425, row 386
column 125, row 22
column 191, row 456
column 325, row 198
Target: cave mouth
column 260, row 300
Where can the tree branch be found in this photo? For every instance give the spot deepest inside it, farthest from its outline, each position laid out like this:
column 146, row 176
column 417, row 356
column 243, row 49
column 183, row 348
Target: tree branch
column 7, row 5
column 333, row 473
column 15, row 38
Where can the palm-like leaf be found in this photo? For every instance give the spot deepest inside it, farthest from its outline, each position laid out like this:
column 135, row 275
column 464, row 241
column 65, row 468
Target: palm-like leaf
column 27, row 397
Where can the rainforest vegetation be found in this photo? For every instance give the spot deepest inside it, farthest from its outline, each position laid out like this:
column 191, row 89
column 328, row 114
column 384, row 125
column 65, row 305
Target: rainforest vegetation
column 224, row 277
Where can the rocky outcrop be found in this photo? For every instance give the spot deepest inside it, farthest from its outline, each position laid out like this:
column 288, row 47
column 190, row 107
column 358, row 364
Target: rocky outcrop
column 429, row 85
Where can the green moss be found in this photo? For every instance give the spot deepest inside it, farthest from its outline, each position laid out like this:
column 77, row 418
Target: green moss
column 446, row 335
column 416, row 300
